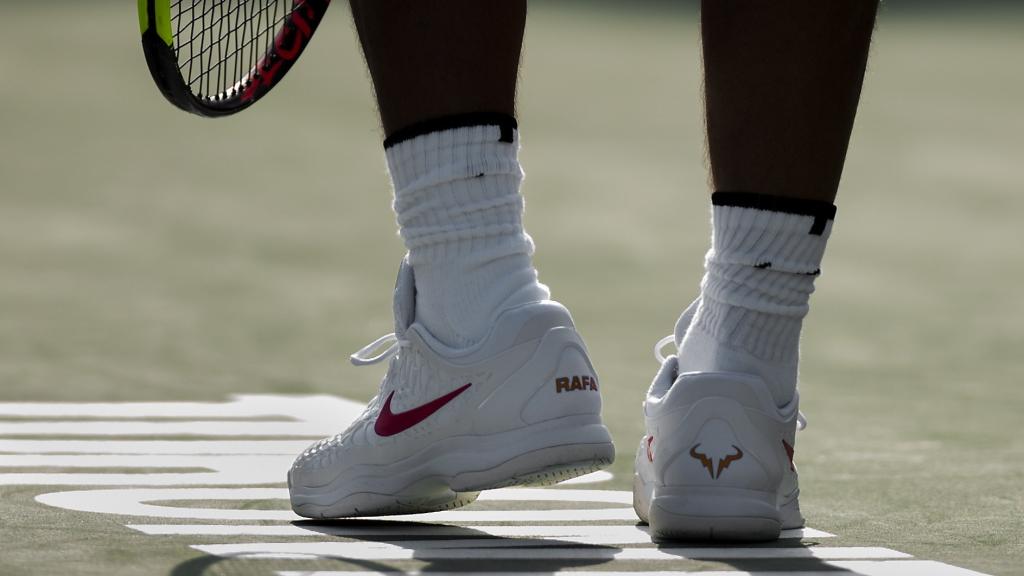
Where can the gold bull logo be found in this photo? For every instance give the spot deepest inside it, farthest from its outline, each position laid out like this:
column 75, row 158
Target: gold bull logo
column 708, row 462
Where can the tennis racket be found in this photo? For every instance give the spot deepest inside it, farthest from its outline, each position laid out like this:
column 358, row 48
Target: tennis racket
column 218, row 57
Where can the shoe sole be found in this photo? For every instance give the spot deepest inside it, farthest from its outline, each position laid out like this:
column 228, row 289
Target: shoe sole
column 667, row 525
column 542, row 467
column 433, row 491
column 370, row 504
column 707, row 514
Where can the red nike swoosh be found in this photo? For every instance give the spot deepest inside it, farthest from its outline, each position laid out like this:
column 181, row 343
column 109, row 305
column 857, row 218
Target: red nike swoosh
column 388, row 423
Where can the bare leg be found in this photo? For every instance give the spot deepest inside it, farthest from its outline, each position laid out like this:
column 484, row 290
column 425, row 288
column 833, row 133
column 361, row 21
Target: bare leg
column 445, row 74
column 436, row 58
column 782, row 81
column 471, row 320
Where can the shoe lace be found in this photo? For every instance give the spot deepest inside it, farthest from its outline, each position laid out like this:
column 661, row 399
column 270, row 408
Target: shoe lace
column 362, row 356
column 671, row 338
column 801, row 420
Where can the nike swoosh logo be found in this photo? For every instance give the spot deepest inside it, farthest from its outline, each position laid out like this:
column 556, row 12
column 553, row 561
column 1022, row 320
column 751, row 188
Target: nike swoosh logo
column 388, row 423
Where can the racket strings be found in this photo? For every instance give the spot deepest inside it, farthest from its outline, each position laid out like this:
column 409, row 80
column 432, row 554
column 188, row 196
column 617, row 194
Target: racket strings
column 219, row 43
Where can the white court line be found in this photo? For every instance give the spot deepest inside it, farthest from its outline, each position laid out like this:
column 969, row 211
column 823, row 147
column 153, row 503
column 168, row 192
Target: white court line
column 239, row 469
column 208, row 461
column 177, row 428
column 134, row 502
column 214, row 469
column 623, row 497
column 312, row 416
column 904, row 568
column 159, row 479
column 149, row 447
column 860, row 567
column 609, row 534
column 454, row 550
column 338, row 411
column 592, row 478
column 251, row 462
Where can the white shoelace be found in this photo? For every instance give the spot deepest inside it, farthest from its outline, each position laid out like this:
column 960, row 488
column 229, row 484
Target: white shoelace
column 361, row 357
column 671, row 338
column 801, row 420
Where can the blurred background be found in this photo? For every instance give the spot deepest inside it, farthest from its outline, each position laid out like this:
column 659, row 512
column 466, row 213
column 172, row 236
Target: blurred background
column 150, row 255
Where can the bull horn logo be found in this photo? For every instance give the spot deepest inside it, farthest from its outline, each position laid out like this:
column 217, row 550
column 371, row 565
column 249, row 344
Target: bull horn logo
column 708, row 463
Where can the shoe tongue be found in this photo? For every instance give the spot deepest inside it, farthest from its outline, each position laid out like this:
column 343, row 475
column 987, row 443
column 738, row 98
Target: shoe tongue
column 685, row 319
column 405, row 297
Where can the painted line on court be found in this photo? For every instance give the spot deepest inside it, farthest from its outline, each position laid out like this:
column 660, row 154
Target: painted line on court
column 317, row 408
column 602, row 526
column 150, row 447
column 477, row 549
column 312, row 416
column 592, row 478
column 579, row 534
column 236, row 469
column 859, row 567
column 223, row 469
column 137, row 502
column 183, row 428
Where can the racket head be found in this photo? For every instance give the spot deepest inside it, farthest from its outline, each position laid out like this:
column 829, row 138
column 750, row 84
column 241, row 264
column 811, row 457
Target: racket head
column 215, row 58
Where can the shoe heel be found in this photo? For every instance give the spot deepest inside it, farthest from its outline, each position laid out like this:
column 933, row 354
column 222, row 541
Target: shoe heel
column 731, row 515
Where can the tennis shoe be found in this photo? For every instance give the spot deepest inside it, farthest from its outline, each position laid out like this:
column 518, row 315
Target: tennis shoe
column 522, row 407
column 716, row 462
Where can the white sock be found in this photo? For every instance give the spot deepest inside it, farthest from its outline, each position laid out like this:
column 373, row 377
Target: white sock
column 759, row 275
column 460, row 213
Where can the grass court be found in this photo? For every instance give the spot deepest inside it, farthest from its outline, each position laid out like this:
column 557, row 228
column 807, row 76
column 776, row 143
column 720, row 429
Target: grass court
column 149, row 257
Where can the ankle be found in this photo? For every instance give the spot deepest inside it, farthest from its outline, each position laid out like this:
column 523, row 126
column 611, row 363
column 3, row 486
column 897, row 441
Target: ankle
column 457, row 302
column 759, row 275
column 701, row 352
column 460, row 213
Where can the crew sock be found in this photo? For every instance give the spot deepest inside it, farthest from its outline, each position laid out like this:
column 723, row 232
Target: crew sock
column 460, row 213
column 765, row 254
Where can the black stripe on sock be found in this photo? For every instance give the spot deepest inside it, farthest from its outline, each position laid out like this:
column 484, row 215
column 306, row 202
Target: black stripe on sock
column 506, row 123
column 822, row 212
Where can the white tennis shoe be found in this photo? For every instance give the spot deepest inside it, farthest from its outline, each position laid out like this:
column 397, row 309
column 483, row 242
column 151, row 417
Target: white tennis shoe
column 521, row 407
column 717, row 460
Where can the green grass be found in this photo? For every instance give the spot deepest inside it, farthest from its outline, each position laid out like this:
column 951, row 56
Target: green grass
column 146, row 255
